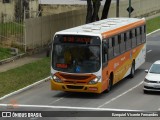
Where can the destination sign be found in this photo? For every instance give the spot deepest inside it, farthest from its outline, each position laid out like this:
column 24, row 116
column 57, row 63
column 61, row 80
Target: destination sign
column 76, row 39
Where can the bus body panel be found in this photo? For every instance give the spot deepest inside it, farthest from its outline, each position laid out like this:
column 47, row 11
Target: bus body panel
column 121, row 65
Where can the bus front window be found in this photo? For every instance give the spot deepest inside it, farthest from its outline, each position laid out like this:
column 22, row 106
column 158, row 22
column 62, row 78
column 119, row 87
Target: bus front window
column 76, row 58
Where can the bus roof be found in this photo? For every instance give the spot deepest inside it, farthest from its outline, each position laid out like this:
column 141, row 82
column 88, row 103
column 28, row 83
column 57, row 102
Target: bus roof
column 106, row 27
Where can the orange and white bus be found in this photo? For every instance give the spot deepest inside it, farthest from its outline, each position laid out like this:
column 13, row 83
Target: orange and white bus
column 95, row 56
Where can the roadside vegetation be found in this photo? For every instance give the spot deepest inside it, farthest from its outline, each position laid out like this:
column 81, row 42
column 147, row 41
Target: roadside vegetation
column 153, row 24
column 20, row 77
column 4, row 53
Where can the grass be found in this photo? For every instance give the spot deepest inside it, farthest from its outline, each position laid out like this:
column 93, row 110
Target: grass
column 153, row 24
column 22, row 76
column 25, row 75
column 4, row 53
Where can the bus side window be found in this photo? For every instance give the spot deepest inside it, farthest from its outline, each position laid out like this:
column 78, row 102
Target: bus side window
column 110, row 42
column 143, row 33
column 116, row 46
column 128, row 41
column 133, row 38
column 138, row 36
column 122, row 43
column 110, row 49
column 105, row 51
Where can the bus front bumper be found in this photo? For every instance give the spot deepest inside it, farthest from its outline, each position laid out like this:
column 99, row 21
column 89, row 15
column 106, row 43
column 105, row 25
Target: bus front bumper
column 94, row 88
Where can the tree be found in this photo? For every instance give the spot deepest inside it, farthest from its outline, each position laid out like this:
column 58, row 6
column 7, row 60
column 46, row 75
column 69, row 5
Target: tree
column 93, row 9
column 106, row 9
column 89, row 11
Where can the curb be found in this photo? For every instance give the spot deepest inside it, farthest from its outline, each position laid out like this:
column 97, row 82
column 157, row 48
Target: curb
column 12, row 58
column 25, row 88
column 153, row 32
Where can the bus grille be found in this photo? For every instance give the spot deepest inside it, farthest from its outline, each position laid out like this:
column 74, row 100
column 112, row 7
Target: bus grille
column 74, row 87
column 74, row 77
column 74, row 82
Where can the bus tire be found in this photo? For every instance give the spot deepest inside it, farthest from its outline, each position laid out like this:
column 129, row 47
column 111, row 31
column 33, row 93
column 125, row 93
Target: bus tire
column 132, row 70
column 110, row 83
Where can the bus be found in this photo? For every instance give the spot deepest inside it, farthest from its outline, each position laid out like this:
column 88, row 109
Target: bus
column 93, row 57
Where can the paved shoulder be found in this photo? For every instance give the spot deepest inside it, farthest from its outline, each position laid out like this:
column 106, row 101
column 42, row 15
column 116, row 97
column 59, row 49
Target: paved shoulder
column 21, row 61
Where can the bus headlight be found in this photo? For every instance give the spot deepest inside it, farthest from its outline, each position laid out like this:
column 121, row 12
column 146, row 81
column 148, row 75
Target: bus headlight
column 56, row 79
column 95, row 80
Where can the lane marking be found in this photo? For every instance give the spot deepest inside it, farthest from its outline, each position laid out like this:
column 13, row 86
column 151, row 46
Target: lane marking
column 153, row 32
column 66, row 107
column 60, row 98
column 56, row 100
column 149, row 51
column 120, row 95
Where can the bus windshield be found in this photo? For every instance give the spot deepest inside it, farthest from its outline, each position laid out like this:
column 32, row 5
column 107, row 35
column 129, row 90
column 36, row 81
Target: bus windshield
column 73, row 57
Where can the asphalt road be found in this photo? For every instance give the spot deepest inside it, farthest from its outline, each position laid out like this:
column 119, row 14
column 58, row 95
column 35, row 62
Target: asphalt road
column 126, row 95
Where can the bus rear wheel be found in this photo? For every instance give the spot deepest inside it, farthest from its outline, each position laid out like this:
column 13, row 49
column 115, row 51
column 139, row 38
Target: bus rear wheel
column 110, row 84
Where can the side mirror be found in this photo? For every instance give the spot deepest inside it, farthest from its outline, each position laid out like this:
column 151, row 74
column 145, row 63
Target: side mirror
column 146, row 71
